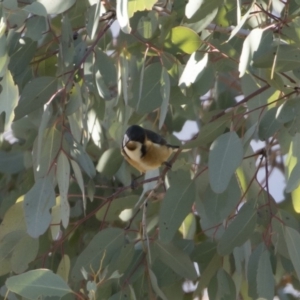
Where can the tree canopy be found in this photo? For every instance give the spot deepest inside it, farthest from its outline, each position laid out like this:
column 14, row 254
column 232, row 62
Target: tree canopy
column 74, row 75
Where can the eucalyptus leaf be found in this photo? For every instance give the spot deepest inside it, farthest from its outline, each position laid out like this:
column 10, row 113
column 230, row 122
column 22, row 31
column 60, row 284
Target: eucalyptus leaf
column 176, row 205
column 239, row 230
column 37, row 283
column 37, row 204
column 269, row 124
column 56, row 6
column 109, row 162
column 176, row 260
column 8, row 97
column 265, row 278
column 226, row 154
column 182, row 39
column 98, row 252
column 292, row 238
column 80, row 156
column 63, row 179
column 35, row 94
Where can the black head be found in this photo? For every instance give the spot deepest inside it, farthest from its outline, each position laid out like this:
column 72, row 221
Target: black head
column 136, row 133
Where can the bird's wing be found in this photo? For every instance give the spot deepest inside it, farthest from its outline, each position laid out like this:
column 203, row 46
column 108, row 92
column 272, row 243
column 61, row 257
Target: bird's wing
column 155, row 138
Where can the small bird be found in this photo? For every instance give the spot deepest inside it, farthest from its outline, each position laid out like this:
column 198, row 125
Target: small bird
column 144, row 149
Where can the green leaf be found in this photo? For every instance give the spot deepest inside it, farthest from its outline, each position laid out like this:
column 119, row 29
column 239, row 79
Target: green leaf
column 35, row 27
column 155, row 286
column 57, row 6
column 35, row 94
column 204, row 13
column 93, row 19
column 110, row 162
column 45, row 148
column 79, row 179
column 149, row 92
column 241, row 22
column 250, row 45
column 99, row 251
column 176, row 205
column 80, row 156
column 147, row 25
column 226, row 154
column 20, row 259
column 116, row 207
column 37, row 204
column 165, row 93
column 287, row 111
column 21, row 57
column 292, row 238
column 66, row 43
column 9, row 94
column 265, row 278
column 63, row 180
column 193, row 69
column 182, row 39
column 281, row 57
column 252, row 269
column 214, row 208
column 239, row 230
column 268, row 124
column 36, row 8
column 122, row 15
column 293, row 179
column 176, row 260
column 207, row 274
column 11, row 162
column 13, row 241
column 139, row 5
column 105, row 75
column 36, row 283
column 226, row 286
column 63, row 269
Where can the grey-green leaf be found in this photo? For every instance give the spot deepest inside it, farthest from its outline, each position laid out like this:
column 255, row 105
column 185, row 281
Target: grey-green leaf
column 79, row 154
column 226, row 154
column 57, row 6
column 36, row 283
column 292, row 238
column 37, row 204
column 176, row 260
column 239, row 231
column 9, row 94
column 176, row 205
column 35, row 94
column 99, row 251
column 269, row 124
column 265, row 279
column 110, row 162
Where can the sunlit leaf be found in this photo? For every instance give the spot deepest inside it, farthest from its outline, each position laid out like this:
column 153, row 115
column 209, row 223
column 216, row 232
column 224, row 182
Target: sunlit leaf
column 57, row 6
column 9, row 94
column 182, row 39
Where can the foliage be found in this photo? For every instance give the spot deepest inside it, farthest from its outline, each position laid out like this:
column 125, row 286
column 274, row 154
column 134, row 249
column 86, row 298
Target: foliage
column 72, row 227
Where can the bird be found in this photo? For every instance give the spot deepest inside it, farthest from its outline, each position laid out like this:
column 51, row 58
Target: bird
column 145, row 150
